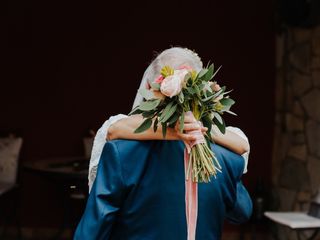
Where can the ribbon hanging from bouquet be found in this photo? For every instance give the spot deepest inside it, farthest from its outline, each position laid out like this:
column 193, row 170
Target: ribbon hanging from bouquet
column 191, row 187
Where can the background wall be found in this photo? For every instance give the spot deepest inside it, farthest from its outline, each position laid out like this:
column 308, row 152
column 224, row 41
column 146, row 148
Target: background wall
column 296, row 160
column 68, row 67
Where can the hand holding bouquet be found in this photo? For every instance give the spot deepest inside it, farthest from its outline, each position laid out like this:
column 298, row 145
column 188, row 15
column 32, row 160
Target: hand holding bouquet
column 177, row 92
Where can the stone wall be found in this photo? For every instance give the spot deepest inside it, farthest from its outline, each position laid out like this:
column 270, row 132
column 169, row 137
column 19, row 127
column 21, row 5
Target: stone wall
column 296, row 156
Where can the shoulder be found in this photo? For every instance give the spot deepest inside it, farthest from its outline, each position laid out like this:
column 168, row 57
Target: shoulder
column 233, row 163
column 238, row 131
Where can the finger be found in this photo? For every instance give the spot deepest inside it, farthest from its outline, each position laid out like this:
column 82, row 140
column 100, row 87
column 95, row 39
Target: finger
column 188, row 119
column 191, row 126
column 204, row 129
column 186, row 137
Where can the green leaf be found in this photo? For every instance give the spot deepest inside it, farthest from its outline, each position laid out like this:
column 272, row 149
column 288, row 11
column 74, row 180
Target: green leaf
column 227, row 101
column 207, row 122
column 164, row 129
column 144, row 126
column 168, row 112
column 209, row 75
column 148, row 114
column 202, row 72
column 221, row 127
column 173, row 119
column 181, row 97
column 181, row 122
column 218, row 117
column 191, row 90
column 136, row 110
column 145, row 93
column 196, row 88
column 232, row 113
column 149, row 105
column 155, row 86
column 216, row 72
column 155, row 125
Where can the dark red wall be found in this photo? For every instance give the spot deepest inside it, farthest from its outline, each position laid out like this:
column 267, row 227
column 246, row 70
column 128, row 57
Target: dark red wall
column 67, row 67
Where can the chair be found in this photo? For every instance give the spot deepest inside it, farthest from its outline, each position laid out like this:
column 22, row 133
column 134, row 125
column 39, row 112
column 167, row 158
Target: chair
column 10, row 147
column 300, row 221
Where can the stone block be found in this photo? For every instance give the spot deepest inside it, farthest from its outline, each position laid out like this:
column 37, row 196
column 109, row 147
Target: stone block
column 293, row 123
column 297, row 109
column 300, row 84
column 315, row 76
column 311, row 103
column 313, row 137
column 314, row 171
column 294, row 175
column 298, row 152
column 300, row 57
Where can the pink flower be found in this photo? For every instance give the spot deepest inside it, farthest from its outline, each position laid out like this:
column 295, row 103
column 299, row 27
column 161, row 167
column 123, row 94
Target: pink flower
column 215, row 87
column 159, row 79
column 172, row 85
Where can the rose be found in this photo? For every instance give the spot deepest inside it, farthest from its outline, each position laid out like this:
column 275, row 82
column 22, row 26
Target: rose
column 172, row 85
column 215, row 87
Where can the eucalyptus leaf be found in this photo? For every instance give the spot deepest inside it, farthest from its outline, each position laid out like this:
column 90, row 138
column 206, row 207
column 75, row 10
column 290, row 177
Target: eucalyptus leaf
column 215, row 73
column 181, row 97
column 168, row 112
column 197, row 90
column 155, row 125
column 164, row 129
column 145, row 93
column 191, row 90
column 136, row 110
column 144, row 126
column 227, row 101
column 221, row 127
column 155, row 86
column 181, row 122
column 149, row 105
column 218, row 117
column 209, row 74
column 173, row 119
column 148, row 114
column 232, row 113
column 207, row 122
column 202, row 72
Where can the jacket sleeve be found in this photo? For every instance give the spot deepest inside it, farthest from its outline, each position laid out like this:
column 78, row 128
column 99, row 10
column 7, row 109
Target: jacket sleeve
column 238, row 201
column 242, row 208
column 105, row 199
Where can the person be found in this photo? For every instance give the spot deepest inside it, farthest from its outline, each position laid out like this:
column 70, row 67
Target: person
column 122, row 126
column 138, row 189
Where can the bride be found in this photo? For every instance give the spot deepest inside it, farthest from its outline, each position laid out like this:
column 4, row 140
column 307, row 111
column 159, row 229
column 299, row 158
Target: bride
column 122, row 126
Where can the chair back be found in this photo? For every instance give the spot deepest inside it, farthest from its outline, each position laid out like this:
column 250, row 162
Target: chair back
column 9, row 156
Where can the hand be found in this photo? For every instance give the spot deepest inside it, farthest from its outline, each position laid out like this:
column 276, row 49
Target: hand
column 190, row 124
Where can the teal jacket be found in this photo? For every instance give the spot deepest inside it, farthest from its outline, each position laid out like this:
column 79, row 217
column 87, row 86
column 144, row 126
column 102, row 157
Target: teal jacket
column 139, row 194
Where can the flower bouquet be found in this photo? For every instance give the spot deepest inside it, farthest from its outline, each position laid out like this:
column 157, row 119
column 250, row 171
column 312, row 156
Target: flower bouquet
column 179, row 91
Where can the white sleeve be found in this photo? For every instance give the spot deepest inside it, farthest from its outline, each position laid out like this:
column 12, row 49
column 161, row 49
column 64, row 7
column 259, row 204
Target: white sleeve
column 98, row 144
column 241, row 134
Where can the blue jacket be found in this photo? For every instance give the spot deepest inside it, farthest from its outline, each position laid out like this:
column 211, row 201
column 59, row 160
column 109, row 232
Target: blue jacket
column 139, row 194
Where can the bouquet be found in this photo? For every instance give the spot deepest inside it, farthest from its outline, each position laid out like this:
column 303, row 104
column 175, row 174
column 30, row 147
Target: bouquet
column 178, row 91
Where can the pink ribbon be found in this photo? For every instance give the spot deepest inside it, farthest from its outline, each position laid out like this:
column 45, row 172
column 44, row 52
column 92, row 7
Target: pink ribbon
column 191, row 188
column 191, row 199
